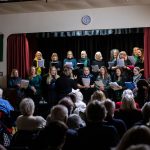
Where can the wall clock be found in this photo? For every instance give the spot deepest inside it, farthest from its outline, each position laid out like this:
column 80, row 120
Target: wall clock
column 86, row 19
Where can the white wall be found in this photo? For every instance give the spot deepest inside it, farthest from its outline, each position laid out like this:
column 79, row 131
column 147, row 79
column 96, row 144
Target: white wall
column 102, row 18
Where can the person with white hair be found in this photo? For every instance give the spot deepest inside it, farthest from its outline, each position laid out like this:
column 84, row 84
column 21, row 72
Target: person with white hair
column 84, row 59
column 126, row 92
column 27, row 121
column 80, row 106
column 128, row 111
column 58, row 112
column 98, row 61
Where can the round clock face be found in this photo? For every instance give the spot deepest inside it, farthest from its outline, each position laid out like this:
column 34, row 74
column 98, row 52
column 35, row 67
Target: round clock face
column 86, row 20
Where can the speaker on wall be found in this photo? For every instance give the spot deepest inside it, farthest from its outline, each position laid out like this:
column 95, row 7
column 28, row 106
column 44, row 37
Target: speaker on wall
column 1, row 47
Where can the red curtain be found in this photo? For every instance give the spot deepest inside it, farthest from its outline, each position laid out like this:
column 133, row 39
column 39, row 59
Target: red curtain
column 147, row 52
column 18, row 54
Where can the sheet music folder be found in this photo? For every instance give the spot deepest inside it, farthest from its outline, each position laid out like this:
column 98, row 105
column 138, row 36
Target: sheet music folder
column 54, row 63
column 80, row 65
column 130, row 85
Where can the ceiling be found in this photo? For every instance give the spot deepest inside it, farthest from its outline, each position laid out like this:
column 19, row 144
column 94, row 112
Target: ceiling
column 9, row 7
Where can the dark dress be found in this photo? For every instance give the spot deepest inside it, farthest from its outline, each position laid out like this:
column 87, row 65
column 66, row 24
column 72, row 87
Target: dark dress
column 49, row 90
column 87, row 92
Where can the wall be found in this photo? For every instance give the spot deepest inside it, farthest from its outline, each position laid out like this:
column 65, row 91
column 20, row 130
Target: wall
column 102, row 18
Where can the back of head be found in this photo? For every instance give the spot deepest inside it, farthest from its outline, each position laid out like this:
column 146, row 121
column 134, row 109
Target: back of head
column 127, row 92
column 142, row 83
column 146, row 111
column 135, row 135
column 66, row 71
column 139, row 147
column 56, row 133
column 79, row 95
column 73, row 97
column 58, row 112
column 27, row 106
column 95, row 111
column 128, row 102
column 110, row 107
column 98, row 95
column 75, row 121
column 2, row 147
column 67, row 102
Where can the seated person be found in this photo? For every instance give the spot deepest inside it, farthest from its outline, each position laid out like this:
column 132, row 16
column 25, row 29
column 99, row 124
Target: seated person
column 26, row 121
column 34, row 87
column 96, row 134
column 14, row 84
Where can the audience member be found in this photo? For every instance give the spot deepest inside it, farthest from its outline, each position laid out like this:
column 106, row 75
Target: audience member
column 96, row 135
column 117, row 123
column 128, row 111
column 134, row 136
column 139, row 147
column 27, row 121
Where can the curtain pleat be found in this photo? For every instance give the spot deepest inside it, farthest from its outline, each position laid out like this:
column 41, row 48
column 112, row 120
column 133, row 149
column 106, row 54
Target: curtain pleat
column 18, row 54
column 147, row 52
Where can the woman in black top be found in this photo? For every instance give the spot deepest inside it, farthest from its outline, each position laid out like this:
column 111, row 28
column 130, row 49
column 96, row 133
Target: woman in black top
column 65, row 84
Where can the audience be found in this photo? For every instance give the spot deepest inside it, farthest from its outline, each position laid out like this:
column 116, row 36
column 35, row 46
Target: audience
column 139, row 147
column 96, row 135
column 27, row 121
column 117, row 123
column 99, row 125
column 128, row 111
column 134, row 136
column 53, row 137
